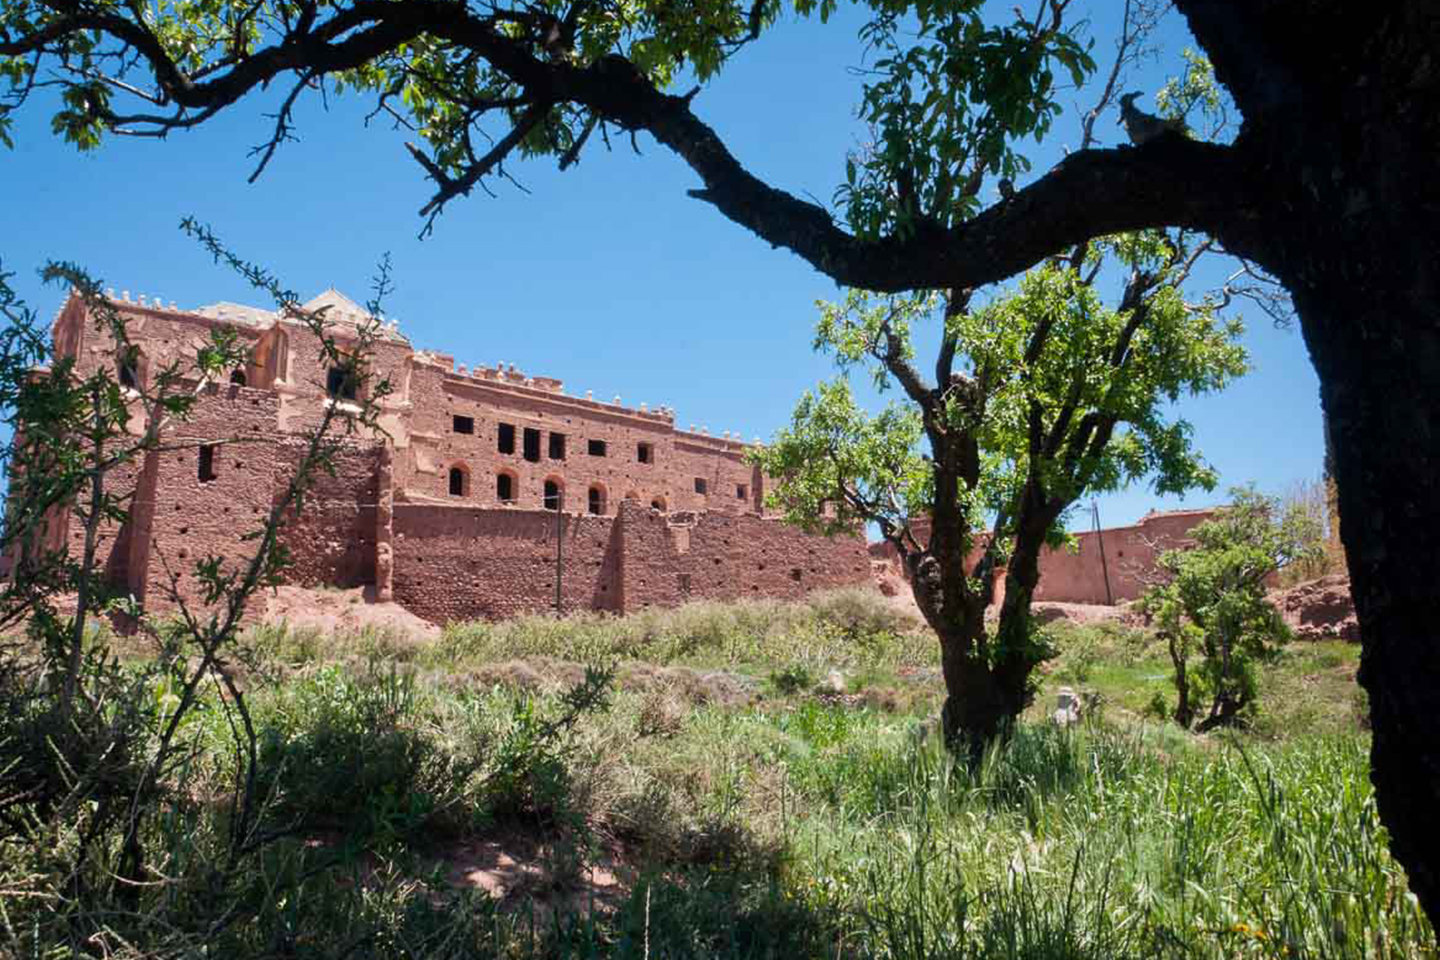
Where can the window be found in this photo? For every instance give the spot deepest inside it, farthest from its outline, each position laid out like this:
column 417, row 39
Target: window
column 507, row 438
column 457, row 482
column 557, row 446
column 504, row 487
column 340, row 383
column 658, row 504
column 130, row 370
column 684, row 584
column 742, row 492
column 237, row 377
column 700, row 485
column 596, row 448
column 463, row 424
column 645, row 453
column 532, row 444
column 597, row 500
column 207, row 463
column 552, row 495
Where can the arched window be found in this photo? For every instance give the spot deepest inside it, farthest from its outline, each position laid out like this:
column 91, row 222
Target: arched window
column 237, row 377
column 459, row 482
column 658, row 503
column 597, row 500
column 504, row 487
column 552, row 495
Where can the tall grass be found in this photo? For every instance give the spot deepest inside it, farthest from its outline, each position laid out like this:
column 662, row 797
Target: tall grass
column 846, row 628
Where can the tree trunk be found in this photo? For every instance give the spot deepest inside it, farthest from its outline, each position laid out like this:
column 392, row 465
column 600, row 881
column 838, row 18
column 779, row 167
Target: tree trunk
column 1360, row 253
column 1378, row 356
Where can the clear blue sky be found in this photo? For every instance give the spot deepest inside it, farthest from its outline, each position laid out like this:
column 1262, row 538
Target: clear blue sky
column 606, row 276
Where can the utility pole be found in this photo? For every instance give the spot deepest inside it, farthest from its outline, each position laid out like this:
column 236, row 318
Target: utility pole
column 559, row 546
column 1100, row 538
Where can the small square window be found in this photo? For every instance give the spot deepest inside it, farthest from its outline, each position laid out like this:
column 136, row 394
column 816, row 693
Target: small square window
column 506, row 438
column 645, row 453
column 464, row 424
column 742, row 492
column 596, row 448
column 700, row 485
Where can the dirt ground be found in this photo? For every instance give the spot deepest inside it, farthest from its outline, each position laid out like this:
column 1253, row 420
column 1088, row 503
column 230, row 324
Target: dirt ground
column 332, row 609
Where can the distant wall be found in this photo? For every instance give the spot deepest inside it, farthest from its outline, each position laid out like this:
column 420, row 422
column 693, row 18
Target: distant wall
column 467, row 563
column 1079, row 576
column 461, row 563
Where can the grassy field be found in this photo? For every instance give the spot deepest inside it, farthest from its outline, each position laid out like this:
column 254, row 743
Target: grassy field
column 757, row 781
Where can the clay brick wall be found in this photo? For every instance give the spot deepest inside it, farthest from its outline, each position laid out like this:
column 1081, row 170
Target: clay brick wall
column 162, row 337
column 669, row 559
column 464, row 563
column 332, row 541
column 1079, row 576
column 1130, row 555
column 190, row 518
column 438, row 394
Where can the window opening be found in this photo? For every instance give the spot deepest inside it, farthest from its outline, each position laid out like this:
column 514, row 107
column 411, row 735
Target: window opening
column 557, row 446
column 532, row 444
column 340, row 383
column 657, row 504
column 597, row 500
column 504, row 487
column 457, row 482
column 596, row 448
column 552, row 495
column 684, row 584
column 463, row 424
column 645, row 453
column 507, row 438
column 700, row 485
column 237, row 377
column 129, row 371
column 207, row 463
column 741, row 491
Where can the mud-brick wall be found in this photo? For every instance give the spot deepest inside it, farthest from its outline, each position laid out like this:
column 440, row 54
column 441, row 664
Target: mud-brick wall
column 1130, row 557
column 189, row 518
column 469, row 563
column 671, row 558
column 332, row 539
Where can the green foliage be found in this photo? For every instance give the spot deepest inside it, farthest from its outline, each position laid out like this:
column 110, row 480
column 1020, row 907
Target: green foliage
column 1044, row 394
column 1213, row 611
column 950, row 97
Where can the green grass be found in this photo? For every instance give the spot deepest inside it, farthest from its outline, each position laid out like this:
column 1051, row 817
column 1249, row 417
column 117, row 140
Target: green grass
column 781, row 821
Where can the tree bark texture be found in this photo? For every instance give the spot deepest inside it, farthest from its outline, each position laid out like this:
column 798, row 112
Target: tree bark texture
column 1342, row 129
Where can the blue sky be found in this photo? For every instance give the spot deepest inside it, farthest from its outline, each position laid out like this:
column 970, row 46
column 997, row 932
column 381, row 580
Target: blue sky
column 606, row 276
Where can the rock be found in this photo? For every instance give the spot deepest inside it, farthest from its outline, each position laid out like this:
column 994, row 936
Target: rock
column 1320, row 609
column 1067, row 707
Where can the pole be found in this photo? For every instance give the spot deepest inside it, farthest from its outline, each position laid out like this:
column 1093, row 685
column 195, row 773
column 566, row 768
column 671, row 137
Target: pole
column 559, row 545
column 1104, row 568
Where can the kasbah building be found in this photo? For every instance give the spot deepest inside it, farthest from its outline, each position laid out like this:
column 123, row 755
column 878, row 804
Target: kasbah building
column 453, row 513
